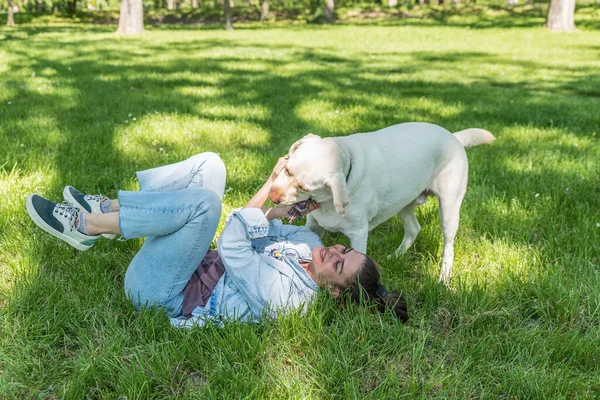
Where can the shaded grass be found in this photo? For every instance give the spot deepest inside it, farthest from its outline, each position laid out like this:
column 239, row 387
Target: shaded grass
column 79, row 106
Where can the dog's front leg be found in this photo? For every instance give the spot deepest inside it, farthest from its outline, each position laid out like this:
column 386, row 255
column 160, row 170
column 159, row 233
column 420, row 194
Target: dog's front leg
column 313, row 225
column 358, row 238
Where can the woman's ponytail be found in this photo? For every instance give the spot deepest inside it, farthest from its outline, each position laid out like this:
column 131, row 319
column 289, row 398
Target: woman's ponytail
column 367, row 283
column 391, row 300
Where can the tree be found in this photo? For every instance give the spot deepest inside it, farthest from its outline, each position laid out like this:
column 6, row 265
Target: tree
column 264, row 10
column 131, row 18
column 392, row 3
column 228, row 24
column 71, row 7
column 328, row 11
column 561, row 15
column 11, row 14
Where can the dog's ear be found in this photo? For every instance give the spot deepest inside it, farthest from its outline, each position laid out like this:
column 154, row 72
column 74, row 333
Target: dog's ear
column 299, row 142
column 341, row 197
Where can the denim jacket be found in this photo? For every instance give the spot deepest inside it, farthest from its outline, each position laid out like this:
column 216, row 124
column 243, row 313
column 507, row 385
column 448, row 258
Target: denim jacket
column 263, row 276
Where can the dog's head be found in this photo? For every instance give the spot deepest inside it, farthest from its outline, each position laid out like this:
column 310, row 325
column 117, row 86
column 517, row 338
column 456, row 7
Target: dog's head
column 313, row 171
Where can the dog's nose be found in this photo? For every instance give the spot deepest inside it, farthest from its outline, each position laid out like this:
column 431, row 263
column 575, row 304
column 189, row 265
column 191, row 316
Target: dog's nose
column 274, row 196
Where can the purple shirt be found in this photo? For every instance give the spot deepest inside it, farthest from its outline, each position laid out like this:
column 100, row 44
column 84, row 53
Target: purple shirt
column 203, row 281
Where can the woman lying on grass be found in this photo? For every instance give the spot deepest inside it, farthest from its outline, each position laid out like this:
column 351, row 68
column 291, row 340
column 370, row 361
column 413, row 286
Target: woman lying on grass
column 259, row 266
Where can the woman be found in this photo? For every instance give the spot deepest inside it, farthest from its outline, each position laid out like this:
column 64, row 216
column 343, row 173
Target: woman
column 260, row 266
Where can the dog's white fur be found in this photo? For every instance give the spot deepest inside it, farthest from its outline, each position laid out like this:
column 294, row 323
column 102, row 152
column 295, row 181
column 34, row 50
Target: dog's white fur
column 362, row 180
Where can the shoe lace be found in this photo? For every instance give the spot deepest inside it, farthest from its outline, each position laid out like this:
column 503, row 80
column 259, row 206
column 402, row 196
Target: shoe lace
column 94, row 197
column 67, row 210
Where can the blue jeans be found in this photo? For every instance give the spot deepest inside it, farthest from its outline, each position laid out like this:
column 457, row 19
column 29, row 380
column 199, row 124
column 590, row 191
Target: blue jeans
column 178, row 209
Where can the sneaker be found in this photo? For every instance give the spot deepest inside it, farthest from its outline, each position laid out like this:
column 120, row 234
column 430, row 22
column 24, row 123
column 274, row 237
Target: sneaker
column 58, row 220
column 88, row 202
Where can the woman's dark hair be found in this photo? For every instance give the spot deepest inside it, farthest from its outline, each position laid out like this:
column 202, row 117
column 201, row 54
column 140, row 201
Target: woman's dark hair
column 366, row 285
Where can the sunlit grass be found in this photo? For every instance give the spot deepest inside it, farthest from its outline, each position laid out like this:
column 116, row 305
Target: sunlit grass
column 520, row 320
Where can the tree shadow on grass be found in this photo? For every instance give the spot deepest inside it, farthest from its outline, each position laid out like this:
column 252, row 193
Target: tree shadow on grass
column 108, row 87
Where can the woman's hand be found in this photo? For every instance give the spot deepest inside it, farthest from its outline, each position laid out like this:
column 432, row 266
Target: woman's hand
column 279, row 166
column 259, row 199
column 312, row 206
column 302, row 209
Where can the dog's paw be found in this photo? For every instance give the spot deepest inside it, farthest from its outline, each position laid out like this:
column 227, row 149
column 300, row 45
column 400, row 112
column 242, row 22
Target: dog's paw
column 445, row 277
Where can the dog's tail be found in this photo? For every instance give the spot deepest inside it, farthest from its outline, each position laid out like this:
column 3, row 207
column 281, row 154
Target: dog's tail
column 473, row 137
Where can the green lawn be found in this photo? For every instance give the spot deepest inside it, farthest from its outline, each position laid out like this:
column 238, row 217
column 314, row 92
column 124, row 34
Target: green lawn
column 522, row 318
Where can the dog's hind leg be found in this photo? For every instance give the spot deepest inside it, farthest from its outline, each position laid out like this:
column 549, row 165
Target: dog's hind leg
column 450, row 202
column 411, row 226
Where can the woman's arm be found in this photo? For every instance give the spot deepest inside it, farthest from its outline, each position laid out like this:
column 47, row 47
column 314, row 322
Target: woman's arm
column 260, row 198
column 260, row 282
column 243, row 263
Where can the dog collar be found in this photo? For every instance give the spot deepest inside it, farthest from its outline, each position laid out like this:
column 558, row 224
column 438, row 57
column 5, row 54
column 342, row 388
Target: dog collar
column 349, row 170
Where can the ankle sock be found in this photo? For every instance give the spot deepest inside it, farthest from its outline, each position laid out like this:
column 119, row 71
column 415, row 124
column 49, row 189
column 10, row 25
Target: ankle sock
column 80, row 223
column 105, row 205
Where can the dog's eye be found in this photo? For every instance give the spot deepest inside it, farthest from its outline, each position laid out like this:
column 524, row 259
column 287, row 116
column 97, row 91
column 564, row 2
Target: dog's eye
column 287, row 172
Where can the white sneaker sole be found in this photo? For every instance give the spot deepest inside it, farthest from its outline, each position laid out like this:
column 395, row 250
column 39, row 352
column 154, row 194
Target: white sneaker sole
column 68, row 197
column 46, row 228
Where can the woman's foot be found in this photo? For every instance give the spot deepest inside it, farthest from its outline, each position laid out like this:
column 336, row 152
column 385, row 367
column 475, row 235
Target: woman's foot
column 59, row 220
column 95, row 204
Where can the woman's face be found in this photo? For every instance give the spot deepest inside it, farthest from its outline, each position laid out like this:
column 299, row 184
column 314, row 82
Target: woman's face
column 333, row 266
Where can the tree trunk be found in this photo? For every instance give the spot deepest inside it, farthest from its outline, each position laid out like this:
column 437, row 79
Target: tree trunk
column 72, row 7
column 264, row 11
column 131, row 18
column 392, row 3
column 561, row 15
column 195, row 4
column 40, row 6
column 228, row 25
column 170, row 4
column 11, row 14
column 328, row 11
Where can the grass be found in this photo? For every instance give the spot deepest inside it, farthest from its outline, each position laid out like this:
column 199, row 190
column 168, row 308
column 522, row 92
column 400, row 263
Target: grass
column 521, row 319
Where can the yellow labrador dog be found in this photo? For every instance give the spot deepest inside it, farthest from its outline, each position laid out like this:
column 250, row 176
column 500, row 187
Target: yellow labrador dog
column 362, row 180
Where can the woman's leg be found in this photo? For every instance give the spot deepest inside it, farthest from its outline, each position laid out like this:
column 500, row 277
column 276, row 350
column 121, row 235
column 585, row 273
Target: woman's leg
column 180, row 227
column 202, row 170
column 106, row 223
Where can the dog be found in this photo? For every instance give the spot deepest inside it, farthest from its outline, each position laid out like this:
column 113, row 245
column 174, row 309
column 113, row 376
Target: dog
column 364, row 179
